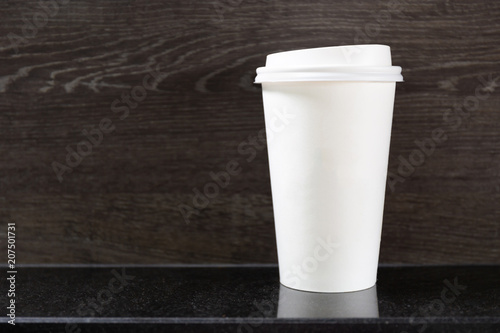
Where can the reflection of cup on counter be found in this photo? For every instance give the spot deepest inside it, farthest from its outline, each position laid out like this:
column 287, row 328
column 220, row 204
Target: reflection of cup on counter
column 302, row 304
column 328, row 165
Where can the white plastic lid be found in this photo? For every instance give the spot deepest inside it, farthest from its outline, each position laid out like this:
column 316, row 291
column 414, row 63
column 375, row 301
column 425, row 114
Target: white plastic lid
column 336, row 63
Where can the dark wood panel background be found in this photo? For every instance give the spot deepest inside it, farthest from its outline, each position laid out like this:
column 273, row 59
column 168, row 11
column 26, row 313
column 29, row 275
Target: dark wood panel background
column 121, row 203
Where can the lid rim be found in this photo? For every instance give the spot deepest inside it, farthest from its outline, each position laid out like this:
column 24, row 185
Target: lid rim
column 332, row 69
column 378, row 76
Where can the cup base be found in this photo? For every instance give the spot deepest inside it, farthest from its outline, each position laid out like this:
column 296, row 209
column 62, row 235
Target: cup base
column 332, row 290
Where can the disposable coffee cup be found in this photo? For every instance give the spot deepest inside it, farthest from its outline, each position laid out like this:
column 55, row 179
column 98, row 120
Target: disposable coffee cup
column 328, row 114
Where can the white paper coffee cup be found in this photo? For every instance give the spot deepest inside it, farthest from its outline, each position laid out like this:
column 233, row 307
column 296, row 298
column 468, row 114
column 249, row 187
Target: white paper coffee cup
column 328, row 114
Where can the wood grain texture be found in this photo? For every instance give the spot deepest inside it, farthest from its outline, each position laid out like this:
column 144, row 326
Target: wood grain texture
column 120, row 205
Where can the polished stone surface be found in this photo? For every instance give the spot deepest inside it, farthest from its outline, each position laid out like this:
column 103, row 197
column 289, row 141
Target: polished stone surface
column 250, row 299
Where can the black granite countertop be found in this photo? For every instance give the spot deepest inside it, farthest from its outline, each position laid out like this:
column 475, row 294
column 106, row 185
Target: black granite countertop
column 250, row 299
